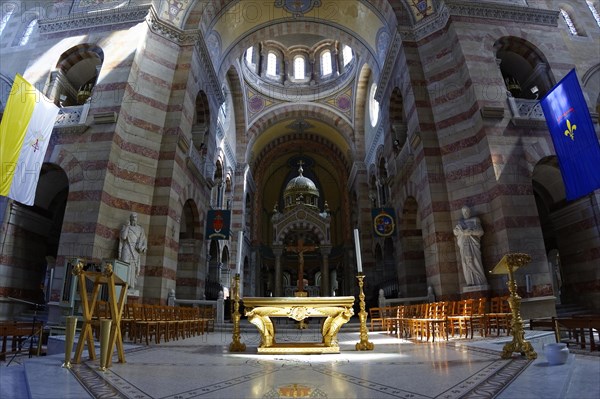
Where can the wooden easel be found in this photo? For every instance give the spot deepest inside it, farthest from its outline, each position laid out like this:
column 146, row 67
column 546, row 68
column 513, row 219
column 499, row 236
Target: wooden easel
column 116, row 310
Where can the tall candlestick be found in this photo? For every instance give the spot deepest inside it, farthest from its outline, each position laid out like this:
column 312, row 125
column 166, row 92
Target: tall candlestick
column 239, row 253
column 357, row 245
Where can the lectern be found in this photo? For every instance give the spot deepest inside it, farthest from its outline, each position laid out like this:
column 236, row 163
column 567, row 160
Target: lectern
column 507, row 265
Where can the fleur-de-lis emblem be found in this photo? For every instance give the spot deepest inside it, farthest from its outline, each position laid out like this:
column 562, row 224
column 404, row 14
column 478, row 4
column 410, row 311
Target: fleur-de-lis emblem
column 570, row 130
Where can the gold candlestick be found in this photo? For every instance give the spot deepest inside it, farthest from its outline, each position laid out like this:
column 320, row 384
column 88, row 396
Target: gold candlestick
column 236, row 345
column 507, row 265
column 69, row 339
column 364, row 344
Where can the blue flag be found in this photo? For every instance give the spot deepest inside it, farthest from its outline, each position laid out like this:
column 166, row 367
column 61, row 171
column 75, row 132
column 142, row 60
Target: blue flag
column 573, row 135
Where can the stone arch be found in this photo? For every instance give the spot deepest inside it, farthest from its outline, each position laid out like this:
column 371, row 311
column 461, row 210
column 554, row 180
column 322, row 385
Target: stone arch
column 591, row 86
column 291, row 112
column 189, row 276
column 36, row 246
column 76, row 74
column 300, row 225
column 398, row 125
column 201, row 121
column 523, row 66
column 362, row 97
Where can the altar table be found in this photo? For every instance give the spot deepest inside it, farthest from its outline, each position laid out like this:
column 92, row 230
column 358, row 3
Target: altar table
column 337, row 310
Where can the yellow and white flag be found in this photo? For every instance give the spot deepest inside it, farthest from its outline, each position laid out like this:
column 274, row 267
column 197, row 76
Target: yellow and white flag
column 25, row 131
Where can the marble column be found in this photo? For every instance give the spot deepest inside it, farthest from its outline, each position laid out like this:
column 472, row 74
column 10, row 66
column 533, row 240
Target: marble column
column 278, row 251
column 325, row 284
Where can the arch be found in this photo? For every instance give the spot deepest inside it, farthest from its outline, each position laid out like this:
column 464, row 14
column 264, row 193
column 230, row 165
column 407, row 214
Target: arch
column 299, row 67
column 201, row 121
column 523, row 66
column 398, row 125
column 29, row 23
column 300, row 225
column 287, row 115
column 75, row 75
column 36, row 246
column 189, row 278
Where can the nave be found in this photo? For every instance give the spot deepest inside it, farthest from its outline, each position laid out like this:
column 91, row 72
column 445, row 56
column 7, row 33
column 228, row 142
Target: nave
column 203, row 367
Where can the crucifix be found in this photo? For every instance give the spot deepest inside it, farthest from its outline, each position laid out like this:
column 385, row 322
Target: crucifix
column 300, row 249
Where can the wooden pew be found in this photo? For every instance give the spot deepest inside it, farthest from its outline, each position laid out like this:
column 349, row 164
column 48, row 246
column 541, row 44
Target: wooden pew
column 579, row 326
column 18, row 332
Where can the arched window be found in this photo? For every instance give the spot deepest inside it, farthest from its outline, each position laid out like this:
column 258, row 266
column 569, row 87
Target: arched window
column 249, row 54
column 299, row 67
column 28, row 32
column 347, row 54
column 272, row 64
column 373, row 106
column 9, row 11
column 569, row 22
column 592, row 9
column 326, row 63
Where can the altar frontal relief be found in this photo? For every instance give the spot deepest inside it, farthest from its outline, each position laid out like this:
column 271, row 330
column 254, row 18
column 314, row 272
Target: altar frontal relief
column 336, row 310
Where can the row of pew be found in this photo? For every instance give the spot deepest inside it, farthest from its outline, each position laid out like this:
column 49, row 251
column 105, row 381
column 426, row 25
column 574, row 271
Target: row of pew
column 19, row 333
column 577, row 330
column 444, row 318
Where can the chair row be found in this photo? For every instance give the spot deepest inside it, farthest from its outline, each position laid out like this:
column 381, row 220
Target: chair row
column 440, row 319
column 145, row 322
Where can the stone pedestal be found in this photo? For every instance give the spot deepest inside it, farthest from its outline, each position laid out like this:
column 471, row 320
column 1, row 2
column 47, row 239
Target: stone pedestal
column 474, row 291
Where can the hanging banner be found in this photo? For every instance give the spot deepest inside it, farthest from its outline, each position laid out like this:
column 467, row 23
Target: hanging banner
column 25, row 131
column 384, row 224
column 574, row 137
column 217, row 224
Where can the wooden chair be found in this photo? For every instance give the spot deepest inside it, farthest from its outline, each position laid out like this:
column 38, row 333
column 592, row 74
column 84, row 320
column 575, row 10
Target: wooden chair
column 146, row 325
column 376, row 316
column 128, row 322
column 437, row 323
column 499, row 317
column 458, row 320
column 209, row 318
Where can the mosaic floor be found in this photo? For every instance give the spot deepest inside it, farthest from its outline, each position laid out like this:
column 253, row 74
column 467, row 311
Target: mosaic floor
column 203, row 367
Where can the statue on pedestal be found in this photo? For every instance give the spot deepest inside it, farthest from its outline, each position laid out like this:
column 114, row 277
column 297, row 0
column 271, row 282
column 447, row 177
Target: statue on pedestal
column 468, row 234
column 132, row 244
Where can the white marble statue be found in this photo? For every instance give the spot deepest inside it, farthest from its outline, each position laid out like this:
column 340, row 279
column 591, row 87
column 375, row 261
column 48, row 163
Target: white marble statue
column 132, row 244
column 468, row 234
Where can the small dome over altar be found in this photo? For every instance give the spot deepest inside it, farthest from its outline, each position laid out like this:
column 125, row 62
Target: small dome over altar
column 301, row 190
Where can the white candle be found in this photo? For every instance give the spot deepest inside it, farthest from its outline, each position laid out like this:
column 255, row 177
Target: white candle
column 357, row 245
column 239, row 253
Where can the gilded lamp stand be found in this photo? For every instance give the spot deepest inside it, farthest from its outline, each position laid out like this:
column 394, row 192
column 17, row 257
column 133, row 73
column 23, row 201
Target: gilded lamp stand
column 236, row 345
column 507, row 265
column 364, row 344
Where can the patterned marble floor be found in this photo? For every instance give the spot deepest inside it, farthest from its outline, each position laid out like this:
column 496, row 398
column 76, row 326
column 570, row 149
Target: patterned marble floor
column 202, row 367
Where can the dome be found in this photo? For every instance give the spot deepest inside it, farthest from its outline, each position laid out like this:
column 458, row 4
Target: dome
column 301, row 189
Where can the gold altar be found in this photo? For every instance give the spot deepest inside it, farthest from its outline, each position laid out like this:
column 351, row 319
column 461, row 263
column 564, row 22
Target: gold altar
column 337, row 311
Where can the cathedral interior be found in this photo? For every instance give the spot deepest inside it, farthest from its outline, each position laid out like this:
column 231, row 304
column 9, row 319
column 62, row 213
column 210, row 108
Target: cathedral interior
column 173, row 109
column 304, row 123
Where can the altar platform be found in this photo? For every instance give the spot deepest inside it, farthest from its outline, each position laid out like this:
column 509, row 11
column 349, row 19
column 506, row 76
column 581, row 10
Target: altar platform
column 202, row 367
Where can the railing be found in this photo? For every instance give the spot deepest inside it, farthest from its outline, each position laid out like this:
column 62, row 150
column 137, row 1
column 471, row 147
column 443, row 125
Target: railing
column 196, row 158
column 526, row 112
column 72, row 118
